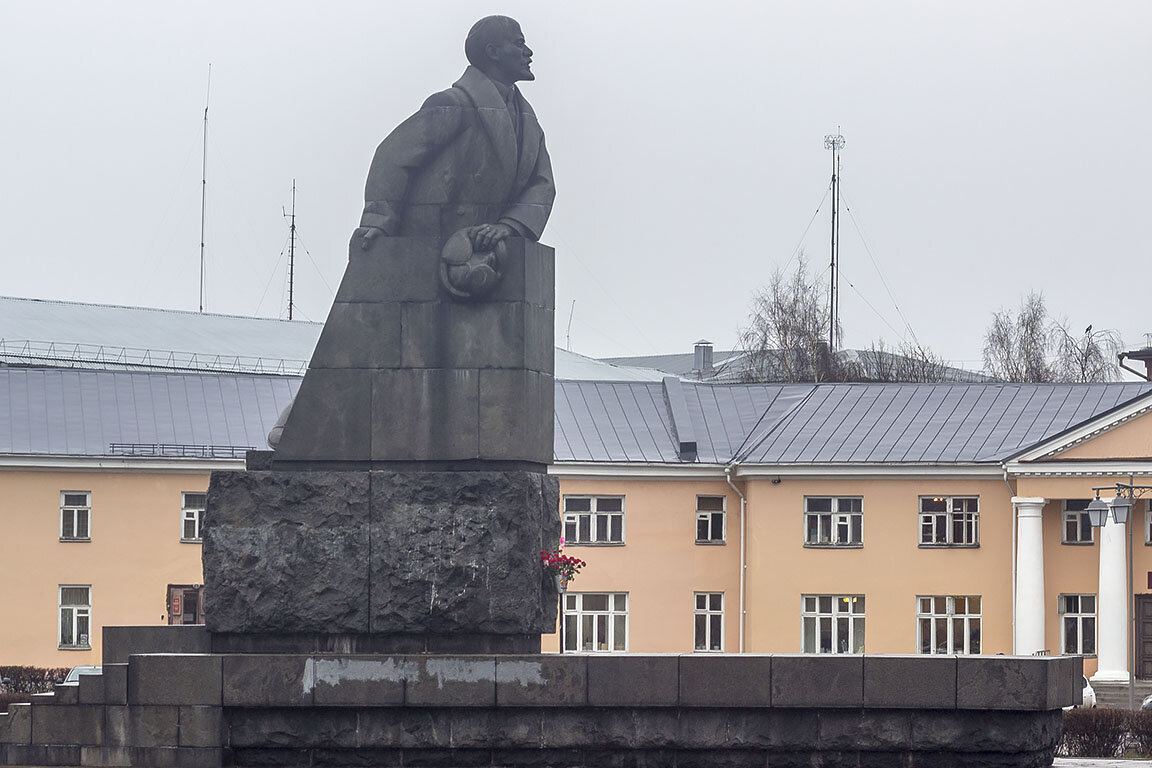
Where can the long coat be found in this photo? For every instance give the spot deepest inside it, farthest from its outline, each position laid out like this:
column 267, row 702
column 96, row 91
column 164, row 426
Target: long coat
column 456, row 163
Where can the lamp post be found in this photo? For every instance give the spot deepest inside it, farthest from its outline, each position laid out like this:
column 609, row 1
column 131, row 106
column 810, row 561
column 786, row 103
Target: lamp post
column 1120, row 507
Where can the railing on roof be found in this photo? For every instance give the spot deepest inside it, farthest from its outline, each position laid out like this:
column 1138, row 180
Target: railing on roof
column 172, row 450
column 70, row 355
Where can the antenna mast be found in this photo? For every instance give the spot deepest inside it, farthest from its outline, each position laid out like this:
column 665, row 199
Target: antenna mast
column 834, row 143
column 292, row 250
column 568, row 335
column 204, row 184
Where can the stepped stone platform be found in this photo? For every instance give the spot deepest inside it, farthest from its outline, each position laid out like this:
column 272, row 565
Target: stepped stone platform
column 186, row 707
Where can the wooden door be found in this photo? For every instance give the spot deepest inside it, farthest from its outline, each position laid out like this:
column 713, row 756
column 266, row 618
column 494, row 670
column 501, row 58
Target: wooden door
column 1144, row 637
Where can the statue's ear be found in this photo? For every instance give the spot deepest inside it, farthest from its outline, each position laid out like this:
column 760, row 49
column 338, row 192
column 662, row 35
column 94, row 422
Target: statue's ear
column 491, row 53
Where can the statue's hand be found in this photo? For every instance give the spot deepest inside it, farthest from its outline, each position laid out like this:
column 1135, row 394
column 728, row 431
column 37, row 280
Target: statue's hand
column 367, row 235
column 486, row 236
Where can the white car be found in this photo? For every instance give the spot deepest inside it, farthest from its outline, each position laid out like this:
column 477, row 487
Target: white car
column 1088, row 697
column 85, row 669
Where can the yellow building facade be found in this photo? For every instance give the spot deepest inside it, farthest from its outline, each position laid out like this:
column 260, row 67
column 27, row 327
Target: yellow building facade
column 693, row 555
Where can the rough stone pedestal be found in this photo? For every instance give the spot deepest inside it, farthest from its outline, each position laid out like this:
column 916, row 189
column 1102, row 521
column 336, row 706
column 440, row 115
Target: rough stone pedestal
column 379, row 561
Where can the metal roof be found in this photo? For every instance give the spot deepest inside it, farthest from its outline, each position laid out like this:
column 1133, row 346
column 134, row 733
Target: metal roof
column 823, row 423
column 70, row 412
column 76, row 335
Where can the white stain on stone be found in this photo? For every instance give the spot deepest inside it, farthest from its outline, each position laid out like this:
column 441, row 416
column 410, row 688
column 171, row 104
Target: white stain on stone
column 524, row 672
column 460, row 671
column 335, row 671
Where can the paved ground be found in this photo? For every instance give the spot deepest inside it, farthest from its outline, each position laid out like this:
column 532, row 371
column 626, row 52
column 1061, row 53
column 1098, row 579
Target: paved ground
column 1084, row 762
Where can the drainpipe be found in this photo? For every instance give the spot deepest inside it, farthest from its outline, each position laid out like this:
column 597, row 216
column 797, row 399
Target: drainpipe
column 1011, row 495
column 743, row 549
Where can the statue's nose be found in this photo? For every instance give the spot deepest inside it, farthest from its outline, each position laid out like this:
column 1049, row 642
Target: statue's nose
column 527, row 51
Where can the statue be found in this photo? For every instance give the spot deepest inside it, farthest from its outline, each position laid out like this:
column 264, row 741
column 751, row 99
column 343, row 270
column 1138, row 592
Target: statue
column 456, row 199
column 408, row 496
column 472, row 158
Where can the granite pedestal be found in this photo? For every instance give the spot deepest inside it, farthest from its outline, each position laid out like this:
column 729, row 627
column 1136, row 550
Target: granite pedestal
column 204, row 710
column 379, row 561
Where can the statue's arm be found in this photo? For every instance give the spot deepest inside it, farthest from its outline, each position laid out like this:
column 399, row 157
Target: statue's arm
column 401, row 155
column 530, row 212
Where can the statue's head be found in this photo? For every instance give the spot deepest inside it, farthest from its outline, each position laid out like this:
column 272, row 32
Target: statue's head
column 496, row 47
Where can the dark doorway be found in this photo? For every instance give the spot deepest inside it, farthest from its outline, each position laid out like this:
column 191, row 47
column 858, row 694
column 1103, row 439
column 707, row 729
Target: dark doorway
column 185, row 604
column 1144, row 637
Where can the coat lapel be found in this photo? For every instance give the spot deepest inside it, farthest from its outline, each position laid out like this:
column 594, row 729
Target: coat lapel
column 494, row 118
column 530, row 135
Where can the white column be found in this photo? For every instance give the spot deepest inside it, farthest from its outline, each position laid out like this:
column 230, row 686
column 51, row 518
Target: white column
column 1112, row 605
column 1029, row 635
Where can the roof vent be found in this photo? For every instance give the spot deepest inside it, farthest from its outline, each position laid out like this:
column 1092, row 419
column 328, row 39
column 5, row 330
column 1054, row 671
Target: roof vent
column 702, row 358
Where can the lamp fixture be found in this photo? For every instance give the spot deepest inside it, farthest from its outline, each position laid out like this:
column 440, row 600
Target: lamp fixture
column 1121, row 506
column 1097, row 512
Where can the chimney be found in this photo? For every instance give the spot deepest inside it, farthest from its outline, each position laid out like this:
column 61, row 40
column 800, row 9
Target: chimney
column 702, row 358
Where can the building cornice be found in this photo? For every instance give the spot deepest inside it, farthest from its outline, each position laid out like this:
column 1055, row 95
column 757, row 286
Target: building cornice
column 870, row 470
column 1119, row 467
column 691, row 471
column 686, row 471
column 11, row 462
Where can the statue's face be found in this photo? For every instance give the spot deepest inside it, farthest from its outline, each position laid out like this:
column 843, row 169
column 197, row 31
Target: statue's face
column 510, row 57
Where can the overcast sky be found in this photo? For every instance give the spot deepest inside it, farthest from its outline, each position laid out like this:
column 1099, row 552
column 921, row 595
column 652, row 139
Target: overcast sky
column 992, row 149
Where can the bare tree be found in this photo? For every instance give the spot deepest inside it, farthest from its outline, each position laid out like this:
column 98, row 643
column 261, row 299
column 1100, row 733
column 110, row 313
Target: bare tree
column 910, row 361
column 787, row 334
column 1030, row 345
column 787, row 340
column 1087, row 357
column 1016, row 345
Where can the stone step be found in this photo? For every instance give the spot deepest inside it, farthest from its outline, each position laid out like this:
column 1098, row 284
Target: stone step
column 1115, row 695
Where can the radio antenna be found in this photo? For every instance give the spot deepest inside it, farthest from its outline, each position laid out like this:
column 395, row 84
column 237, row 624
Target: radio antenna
column 204, row 184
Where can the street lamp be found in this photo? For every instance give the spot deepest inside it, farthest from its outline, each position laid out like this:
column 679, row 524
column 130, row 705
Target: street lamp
column 1097, row 512
column 1120, row 507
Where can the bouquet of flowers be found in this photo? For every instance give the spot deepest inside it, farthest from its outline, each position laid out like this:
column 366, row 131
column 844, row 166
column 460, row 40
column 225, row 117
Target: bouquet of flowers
column 563, row 567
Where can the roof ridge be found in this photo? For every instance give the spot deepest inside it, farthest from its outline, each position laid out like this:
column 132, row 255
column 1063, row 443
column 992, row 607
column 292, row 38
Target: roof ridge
column 165, row 310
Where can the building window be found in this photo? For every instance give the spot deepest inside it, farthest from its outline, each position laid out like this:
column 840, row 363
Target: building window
column 948, row 624
column 75, row 616
column 1148, row 522
column 75, row 516
column 949, row 521
column 833, row 521
column 1077, row 526
column 596, row 622
column 709, row 621
column 1078, row 624
column 593, row 519
column 833, row 623
column 191, row 508
column 710, row 519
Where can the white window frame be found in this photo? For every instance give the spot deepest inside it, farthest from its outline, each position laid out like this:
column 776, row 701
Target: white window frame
column 1148, row 522
column 76, row 611
column 73, row 512
column 1079, row 517
column 707, row 617
column 841, row 612
column 191, row 514
column 950, row 517
column 709, row 518
column 1078, row 616
column 929, row 616
column 837, row 522
column 572, row 520
column 575, row 612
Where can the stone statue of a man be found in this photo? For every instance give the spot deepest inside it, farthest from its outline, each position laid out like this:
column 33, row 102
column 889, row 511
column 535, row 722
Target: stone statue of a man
column 472, row 157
